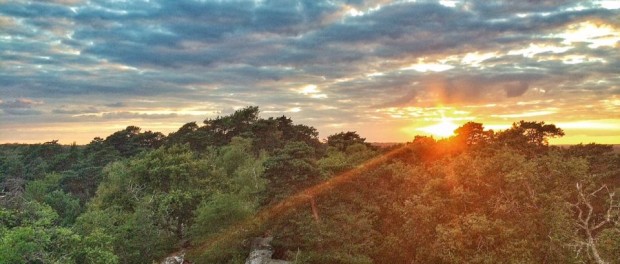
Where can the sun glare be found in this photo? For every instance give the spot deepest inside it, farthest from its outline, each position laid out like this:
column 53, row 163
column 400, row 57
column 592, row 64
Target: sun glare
column 443, row 129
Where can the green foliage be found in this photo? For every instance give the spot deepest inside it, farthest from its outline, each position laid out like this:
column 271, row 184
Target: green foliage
column 529, row 137
column 295, row 161
column 152, row 200
column 338, row 161
column 10, row 164
column 273, row 133
column 23, row 245
column 31, row 235
column 609, row 243
column 240, row 185
column 267, row 135
column 134, row 236
column 67, row 207
column 341, row 141
column 131, row 141
column 37, row 189
column 483, row 205
column 219, row 212
column 290, row 169
column 96, row 248
column 335, row 161
column 47, row 191
column 478, row 197
column 227, row 127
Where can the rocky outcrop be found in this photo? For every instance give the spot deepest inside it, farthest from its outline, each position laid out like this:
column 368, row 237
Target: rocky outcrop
column 261, row 252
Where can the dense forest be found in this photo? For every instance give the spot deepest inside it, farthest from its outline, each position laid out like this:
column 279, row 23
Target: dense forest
column 480, row 196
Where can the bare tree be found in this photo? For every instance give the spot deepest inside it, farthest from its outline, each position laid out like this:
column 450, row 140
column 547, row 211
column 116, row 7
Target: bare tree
column 589, row 222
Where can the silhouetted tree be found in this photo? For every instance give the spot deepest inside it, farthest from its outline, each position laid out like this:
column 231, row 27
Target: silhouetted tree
column 472, row 133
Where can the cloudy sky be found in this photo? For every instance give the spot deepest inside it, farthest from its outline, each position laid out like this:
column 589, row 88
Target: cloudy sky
column 73, row 70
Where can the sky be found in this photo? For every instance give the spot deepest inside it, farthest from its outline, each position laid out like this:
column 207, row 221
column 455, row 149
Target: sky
column 72, row 70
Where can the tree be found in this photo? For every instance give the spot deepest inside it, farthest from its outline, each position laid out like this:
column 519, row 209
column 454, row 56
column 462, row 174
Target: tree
column 66, row 206
column 222, row 129
column 343, row 140
column 273, row 133
column 266, row 134
column 529, row 133
column 153, row 199
column 131, row 141
column 30, row 235
column 337, row 161
column 167, row 182
column 47, row 191
column 188, row 133
column 472, row 133
column 290, row 169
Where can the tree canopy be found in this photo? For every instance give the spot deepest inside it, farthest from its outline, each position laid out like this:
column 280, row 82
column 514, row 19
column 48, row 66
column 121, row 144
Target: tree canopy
column 481, row 196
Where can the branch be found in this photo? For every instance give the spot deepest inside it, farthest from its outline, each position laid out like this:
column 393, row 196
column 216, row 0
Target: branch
column 585, row 201
column 585, row 221
column 609, row 209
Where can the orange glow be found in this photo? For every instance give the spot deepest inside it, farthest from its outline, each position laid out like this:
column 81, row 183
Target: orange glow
column 443, row 129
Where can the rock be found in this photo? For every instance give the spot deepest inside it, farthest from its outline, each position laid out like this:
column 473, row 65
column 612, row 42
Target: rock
column 261, row 252
column 177, row 259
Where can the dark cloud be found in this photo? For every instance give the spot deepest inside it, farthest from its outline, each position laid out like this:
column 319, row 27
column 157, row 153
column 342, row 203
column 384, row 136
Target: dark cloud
column 20, row 107
column 472, row 89
column 515, row 89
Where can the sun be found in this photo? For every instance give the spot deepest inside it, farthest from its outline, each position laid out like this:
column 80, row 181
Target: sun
column 443, row 129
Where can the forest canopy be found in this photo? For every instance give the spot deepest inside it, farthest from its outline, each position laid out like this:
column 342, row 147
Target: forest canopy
column 480, row 196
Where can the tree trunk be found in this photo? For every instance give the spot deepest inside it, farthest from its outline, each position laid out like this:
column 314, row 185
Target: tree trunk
column 315, row 210
column 592, row 247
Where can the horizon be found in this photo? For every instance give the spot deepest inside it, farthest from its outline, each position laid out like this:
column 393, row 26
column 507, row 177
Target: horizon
column 74, row 70
column 552, row 141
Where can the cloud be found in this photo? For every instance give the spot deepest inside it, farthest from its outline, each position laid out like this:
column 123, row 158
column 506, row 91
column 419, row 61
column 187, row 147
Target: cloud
column 462, row 89
column 19, row 103
column 359, row 55
column 406, row 100
column 20, row 107
column 117, row 104
column 21, row 111
column 132, row 115
column 515, row 89
column 72, row 110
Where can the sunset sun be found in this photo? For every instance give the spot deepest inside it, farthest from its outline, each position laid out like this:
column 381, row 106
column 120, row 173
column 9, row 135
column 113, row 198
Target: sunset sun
column 444, row 128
